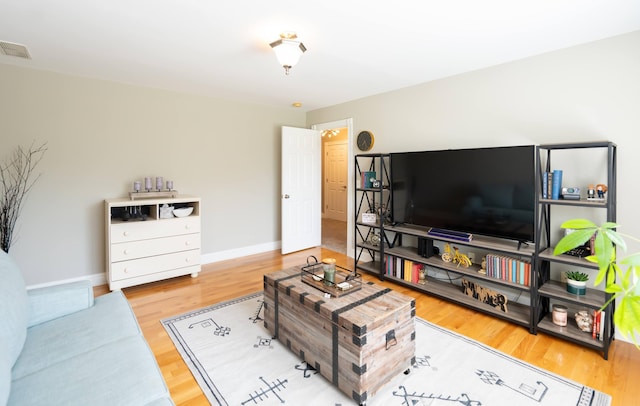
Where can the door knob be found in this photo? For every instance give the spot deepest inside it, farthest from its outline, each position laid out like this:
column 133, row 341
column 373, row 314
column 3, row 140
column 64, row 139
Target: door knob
column 285, row 196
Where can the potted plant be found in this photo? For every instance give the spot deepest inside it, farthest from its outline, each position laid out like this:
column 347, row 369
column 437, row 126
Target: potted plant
column 577, row 282
column 622, row 285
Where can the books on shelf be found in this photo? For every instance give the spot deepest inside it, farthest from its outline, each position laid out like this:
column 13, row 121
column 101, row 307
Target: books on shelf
column 508, row 269
column 367, row 178
column 552, row 184
column 402, row 268
column 597, row 332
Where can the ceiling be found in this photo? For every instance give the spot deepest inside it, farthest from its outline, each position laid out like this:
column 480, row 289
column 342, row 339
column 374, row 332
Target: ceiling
column 356, row 48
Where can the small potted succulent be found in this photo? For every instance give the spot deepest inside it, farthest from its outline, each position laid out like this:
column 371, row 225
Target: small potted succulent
column 577, row 282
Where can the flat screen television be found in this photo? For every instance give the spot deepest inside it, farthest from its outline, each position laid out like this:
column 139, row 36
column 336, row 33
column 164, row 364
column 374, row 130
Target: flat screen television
column 488, row 191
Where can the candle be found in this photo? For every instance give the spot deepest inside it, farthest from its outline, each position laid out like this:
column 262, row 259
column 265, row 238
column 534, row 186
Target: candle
column 170, row 184
column 159, row 183
column 137, row 185
column 147, row 184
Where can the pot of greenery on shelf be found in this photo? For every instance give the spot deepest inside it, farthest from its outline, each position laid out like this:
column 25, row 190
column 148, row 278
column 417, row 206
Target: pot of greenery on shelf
column 577, row 282
column 621, row 284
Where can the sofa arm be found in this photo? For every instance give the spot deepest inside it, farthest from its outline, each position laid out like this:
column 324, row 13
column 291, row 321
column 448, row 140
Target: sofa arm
column 51, row 302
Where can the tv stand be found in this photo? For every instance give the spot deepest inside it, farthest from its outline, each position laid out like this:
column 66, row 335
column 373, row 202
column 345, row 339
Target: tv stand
column 402, row 248
column 389, row 249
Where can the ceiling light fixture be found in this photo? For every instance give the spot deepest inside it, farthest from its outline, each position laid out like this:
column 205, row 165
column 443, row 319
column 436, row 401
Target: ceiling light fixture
column 330, row 133
column 288, row 50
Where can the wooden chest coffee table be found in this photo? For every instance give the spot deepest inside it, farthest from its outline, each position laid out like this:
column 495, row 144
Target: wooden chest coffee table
column 358, row 341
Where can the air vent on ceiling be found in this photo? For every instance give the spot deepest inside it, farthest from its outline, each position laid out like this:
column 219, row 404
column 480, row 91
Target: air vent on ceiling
column 11, row 49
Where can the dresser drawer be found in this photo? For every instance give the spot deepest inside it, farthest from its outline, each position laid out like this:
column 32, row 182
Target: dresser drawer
column 151, row 265
column 125, row 251
column 142, row 230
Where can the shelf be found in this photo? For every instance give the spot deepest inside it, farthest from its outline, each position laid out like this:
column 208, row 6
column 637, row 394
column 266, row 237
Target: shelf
column 479, row 241
column 436, row 262
column 517, row 313
column 372, row 267
column 547, row 255
column 593, row 299
column 582, row 202
column 571, row 331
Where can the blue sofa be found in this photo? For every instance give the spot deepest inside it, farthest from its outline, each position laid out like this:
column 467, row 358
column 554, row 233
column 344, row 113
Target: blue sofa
column 60, row 346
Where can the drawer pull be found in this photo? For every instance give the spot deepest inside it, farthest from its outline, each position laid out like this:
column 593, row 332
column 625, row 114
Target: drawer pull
column 126, row 233
column 187, row 260
column 126, row 270
column 125, row 252
column 187, row 243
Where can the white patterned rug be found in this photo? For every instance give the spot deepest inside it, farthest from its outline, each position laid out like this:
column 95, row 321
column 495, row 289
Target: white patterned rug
column 236, row 362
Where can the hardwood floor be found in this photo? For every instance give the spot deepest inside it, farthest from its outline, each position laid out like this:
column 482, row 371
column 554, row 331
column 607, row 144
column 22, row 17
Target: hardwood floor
column 619, row 376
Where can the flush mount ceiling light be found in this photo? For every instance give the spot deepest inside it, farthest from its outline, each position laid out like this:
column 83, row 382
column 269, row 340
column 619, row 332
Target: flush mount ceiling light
column 288, row 50
column 330, row 133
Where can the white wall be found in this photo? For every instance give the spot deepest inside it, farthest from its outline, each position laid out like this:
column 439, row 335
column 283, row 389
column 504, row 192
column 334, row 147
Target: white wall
column 102, row 136
column 584, row 93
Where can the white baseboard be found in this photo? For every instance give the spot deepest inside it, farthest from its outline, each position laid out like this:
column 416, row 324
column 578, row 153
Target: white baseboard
column 96, row 279
column 240, row 252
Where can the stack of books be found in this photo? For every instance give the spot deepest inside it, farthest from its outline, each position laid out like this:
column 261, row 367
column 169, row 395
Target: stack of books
column 508, row 269
column 366, row 179
column 598, row 325
column 402, row 268
column 552, row 184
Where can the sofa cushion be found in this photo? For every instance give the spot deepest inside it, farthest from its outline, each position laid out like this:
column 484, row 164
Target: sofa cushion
column 109, row 319
column 14, row 308
column 5, row 374
column 123, row 372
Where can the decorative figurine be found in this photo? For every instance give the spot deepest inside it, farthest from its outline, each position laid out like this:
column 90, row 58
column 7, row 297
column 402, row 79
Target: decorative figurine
column 422, row 277
column 591, row 192
column 584, row 321
column 601, row 189
column 461, row 259
column 446, row 255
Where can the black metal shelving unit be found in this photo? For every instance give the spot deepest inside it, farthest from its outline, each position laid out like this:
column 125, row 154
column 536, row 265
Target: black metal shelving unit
column 370, row 236
column 548, row 290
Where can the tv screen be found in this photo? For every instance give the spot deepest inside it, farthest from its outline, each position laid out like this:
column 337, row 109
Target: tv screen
column 488, row 191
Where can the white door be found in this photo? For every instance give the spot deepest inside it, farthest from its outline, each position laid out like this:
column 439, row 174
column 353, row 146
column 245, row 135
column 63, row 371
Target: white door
column 301, row 189
column 335, row 178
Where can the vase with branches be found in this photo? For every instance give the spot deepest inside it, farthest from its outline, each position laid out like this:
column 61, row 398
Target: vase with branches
column 623, row 285
column 17, row 177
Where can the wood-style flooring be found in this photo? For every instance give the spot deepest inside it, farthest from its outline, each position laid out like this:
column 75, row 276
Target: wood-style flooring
column 619, row 376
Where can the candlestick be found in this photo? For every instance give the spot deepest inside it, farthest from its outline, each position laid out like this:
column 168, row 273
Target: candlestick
column 170, row 185
column 159, row 183
column 147, row 184
column 137, row 185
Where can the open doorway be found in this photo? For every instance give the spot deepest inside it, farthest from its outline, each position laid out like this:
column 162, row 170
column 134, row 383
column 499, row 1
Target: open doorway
column 328, row 232
column 335, row 175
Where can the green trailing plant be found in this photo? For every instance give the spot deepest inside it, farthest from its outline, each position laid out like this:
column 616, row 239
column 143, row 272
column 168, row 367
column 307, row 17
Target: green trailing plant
column 16, row 180
column 620, row 283
column 577, row 276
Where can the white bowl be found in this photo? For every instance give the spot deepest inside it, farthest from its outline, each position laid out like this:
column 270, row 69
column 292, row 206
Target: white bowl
column 183, row 212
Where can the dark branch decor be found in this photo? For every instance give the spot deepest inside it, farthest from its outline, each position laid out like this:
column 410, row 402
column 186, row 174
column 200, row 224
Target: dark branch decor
column 16, row 180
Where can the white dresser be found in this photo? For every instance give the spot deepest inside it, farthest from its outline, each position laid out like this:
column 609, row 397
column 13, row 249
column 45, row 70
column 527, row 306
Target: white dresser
column 142, row 247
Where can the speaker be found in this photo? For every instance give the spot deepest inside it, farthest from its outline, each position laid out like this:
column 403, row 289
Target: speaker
column 425, row 247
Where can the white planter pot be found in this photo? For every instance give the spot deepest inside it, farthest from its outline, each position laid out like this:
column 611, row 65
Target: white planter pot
column 576, row 287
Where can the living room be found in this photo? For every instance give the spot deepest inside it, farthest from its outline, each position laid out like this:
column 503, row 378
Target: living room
column 102, row 135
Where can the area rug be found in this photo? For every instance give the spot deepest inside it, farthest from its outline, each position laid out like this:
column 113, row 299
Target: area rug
column 237, row 362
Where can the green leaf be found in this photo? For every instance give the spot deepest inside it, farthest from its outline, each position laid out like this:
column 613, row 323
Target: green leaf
column 627, row 316
column 610, row 225
column 578, row 224
column 616, row 238
column 631, row 260
column 572, row 240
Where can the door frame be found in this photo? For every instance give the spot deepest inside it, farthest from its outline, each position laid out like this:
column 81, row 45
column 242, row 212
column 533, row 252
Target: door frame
column 348, row 124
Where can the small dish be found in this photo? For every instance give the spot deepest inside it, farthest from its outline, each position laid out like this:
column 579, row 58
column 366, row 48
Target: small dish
column 183, row 212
